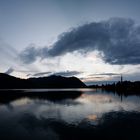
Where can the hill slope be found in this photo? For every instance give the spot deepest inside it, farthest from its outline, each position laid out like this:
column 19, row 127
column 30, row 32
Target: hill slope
column 7, row 82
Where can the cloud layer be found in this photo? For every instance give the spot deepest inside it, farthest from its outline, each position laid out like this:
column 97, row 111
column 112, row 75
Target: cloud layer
column 68, row 73
column 62, row 73
column 117, row 40
column 8, row 54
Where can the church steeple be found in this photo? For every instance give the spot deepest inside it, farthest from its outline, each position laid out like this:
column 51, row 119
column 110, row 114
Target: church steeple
column 121, row 78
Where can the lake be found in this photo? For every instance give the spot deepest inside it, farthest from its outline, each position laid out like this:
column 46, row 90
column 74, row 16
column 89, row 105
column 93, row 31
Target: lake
column 68, row 114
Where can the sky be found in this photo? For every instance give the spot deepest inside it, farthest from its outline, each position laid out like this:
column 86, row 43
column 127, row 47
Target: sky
column 95, row 40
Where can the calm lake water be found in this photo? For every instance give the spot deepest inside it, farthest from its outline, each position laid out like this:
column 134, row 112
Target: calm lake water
column 68, row 114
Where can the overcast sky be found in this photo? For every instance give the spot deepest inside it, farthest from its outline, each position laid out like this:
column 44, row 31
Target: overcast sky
column 94, row 40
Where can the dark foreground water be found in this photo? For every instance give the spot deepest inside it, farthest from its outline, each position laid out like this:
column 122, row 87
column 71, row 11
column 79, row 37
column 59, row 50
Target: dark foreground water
column 68, row 114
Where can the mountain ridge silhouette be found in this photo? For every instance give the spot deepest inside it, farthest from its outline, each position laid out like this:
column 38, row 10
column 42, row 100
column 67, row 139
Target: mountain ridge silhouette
column 53, row 81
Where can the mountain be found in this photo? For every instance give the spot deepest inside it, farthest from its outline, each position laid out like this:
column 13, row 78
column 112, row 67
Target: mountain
column 7, row 82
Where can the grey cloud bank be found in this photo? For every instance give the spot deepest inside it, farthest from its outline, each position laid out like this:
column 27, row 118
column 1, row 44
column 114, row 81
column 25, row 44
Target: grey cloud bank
column 106, row 74
column 118, row 40
column 62, row 73
column 68, row 73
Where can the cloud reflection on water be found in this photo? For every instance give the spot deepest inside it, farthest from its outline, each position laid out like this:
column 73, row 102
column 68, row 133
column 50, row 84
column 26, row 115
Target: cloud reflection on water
column 42, row 118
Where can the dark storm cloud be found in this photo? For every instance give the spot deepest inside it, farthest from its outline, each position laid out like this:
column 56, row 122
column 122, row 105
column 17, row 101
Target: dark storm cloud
column 29, row 55
column 117, row 39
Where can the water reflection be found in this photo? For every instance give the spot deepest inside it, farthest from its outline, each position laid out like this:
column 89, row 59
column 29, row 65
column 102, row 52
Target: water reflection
column 77, row 115
column 7, row 96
